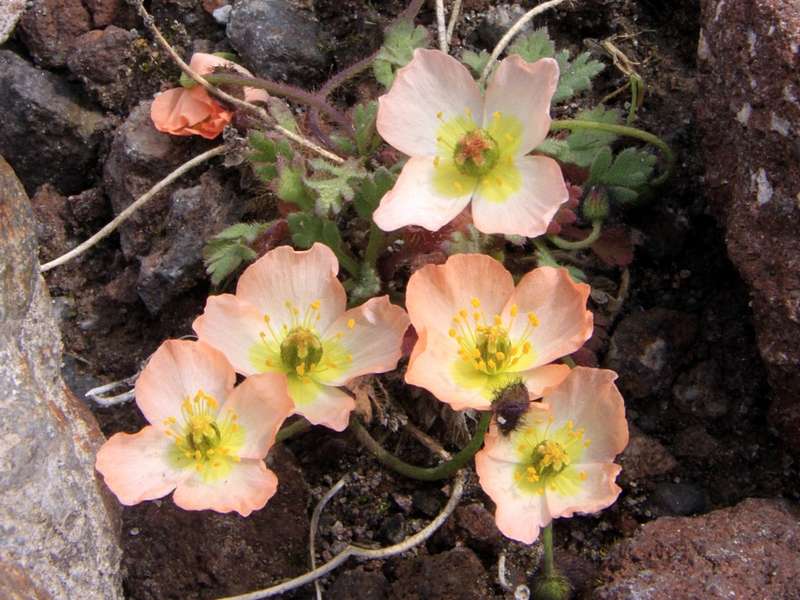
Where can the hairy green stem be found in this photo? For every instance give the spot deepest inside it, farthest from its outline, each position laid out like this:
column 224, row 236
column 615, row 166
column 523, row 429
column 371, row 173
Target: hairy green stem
column 594, row 235
column 573, row 124
column 287, row 431
column 347, row 260
column 286, row 91
column 442, row 471
column 375, row 244
column 547, row 543
column 543, row 249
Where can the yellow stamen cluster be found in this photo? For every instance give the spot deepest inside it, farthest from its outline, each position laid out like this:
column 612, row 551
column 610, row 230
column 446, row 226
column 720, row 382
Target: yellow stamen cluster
column 298, row 345
column 203, row 437
column 545, row 454
column 487, row 346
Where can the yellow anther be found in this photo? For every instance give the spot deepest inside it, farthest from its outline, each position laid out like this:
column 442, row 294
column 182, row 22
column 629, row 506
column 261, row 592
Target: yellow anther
column 582, row 475
column 436, row 161
column 439, row 115
column 315, row 305
column 477, row 316
column 570, row 424
column 498, row 181
column 210, row 452
column 217, row 464
column 498, row 320
column 198, row 455
column 351, row 323
column 587, row 443
column 211, row 402
column 533, row 319
column 526, row 347
column 169, row 421
column 463, row 313
column 301, row 369
column 266, row 318
column 492, row 364
column 234, row 427
column 348, row 357
column 514, row 310
column 268, row 362
column 496, row 114
column 500, row 356
column 452, row 333
column 475, row 302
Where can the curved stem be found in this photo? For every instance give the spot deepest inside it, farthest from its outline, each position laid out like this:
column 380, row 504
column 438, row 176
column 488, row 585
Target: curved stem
column 281, row 89
column 544, row 250
column 442, row 471
column 594, row 235
column 572, row 124
column 287, row 431
column 347, row 260
column 132, row 208
column 365, row 553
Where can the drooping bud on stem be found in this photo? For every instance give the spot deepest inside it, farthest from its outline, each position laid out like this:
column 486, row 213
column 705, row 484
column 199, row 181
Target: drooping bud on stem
column 509, row 405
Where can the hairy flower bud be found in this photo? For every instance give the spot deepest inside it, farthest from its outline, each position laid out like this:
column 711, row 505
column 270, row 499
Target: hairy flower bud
column 595, row 205
column 509, row 405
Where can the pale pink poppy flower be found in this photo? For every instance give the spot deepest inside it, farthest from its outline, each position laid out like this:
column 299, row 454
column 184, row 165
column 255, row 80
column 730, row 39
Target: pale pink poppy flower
column 477, row 332
column 206, row 439
column 560, row 458
column 465, row 146
column 289, row 316
column 181, row 111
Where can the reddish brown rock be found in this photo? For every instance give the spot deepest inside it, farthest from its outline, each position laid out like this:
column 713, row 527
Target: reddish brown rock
column 748, row 551
column 645, row 457
column 49, row 28
column 107, row 12
column 749, row 117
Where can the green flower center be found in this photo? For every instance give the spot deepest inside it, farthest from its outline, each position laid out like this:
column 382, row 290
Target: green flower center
column 476, row 153
column 301, row 350
column 487, row 346
column 205, row 439
column 547, row 457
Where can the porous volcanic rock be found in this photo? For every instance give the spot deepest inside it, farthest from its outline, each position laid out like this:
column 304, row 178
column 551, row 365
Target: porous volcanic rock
column 277, row 39
column 747, row 551
column 103, row 61
column 49, row 135
column 49, row 29
column 749, row 117
column 59, row 537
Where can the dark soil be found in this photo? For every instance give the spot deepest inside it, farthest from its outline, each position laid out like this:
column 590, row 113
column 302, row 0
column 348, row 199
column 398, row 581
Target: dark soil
column 680, row 264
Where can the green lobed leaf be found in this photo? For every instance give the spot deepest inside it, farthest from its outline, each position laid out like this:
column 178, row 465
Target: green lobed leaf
column 227, row 250
column 367, row 138
column 582, row 145
column 370, row 190
column 290, row 185
column 476, row 62
column 264, row 153
column 625, row 176
column 305, row 228
column 534, row 45
column 576, row 76
column 333, row 191
column 282, row 113
column 398, row 48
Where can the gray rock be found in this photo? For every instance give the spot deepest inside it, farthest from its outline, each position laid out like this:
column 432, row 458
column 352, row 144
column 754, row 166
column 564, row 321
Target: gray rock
column 59, row 540
column 497, row 20
column 141, row 156
column 10, row 12
column 276, row 39
column 176, row 263
column 48, row 133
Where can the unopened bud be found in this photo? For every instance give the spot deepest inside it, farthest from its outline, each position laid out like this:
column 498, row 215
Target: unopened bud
column 552, row 588
column 595, row 205
column 509, row 405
